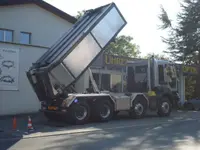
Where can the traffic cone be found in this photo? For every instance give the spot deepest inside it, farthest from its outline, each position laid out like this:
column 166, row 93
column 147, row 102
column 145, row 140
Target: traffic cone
column 30, row 126
column 14, row 125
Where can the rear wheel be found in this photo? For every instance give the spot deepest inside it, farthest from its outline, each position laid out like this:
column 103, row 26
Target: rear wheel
column 103, row 111
column 165, row 107
column 79, row 113
column 139, row 107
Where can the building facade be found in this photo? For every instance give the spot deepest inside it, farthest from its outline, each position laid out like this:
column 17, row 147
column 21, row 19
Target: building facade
column 27, row 30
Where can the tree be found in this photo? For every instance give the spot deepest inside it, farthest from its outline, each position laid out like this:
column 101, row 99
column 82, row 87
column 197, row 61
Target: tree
column 80, row 14
column 121, row 45
column 157, row 56
column 184, row 38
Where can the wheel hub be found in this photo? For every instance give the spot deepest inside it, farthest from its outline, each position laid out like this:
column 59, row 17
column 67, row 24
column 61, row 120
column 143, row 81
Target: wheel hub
column 139, row 109
column 165, row 107
column 81, row 113
column 105, row 112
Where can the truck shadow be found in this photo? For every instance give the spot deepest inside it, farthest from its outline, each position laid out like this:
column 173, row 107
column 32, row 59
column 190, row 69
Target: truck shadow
column 164, row 136
column 122, row 119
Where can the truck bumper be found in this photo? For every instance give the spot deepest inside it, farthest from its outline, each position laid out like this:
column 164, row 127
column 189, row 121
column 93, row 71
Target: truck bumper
column 59, row 112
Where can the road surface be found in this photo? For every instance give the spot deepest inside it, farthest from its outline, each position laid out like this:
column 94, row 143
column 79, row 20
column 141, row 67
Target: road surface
column 174, row 133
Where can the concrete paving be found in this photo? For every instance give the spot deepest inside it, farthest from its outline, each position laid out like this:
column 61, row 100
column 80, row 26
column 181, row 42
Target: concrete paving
column 178, row 134
column 44, row 128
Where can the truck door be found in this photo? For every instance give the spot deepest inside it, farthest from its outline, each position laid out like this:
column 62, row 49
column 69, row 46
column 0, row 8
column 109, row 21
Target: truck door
column 137, row 76
column 167, row 76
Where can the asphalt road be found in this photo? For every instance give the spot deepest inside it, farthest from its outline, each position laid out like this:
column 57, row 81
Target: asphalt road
column 151, row 133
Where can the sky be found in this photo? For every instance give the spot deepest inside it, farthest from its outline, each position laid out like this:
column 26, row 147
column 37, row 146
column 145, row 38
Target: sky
column 141, row 16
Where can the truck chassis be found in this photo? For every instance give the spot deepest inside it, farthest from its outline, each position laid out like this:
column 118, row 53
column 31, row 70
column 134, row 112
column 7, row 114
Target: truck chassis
column 80, row 108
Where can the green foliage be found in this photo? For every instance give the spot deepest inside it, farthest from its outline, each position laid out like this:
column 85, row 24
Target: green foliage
column 80, row 14
column 190, row 83
column 123, row 46
column 166, row 22
column 183, row 39
column 157, row 56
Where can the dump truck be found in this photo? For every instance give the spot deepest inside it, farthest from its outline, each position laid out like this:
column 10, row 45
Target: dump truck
column 54, row 74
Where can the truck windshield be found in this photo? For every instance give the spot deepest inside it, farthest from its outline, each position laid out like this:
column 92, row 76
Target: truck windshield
column 137, row 78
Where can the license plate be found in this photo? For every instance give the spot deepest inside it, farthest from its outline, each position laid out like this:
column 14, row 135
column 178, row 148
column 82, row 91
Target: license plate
column 52, row 108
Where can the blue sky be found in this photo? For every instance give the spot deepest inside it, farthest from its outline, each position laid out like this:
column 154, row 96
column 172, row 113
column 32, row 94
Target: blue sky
column 141, row 15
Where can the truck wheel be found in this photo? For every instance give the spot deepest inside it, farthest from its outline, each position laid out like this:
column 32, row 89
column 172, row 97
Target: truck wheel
column 165, row 107
column 79, row 113
column 103, row 111
column 139, row 108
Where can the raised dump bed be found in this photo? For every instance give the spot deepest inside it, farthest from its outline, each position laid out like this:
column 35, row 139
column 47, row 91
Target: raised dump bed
column 72, row 54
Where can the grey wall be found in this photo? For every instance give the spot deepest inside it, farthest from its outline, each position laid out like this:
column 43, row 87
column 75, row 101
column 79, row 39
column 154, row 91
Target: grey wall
column 24, row 100
column 45, row 27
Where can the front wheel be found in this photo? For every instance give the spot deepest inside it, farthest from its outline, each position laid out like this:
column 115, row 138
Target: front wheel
column 139, row 108
column 165, row 107
column 79, row 113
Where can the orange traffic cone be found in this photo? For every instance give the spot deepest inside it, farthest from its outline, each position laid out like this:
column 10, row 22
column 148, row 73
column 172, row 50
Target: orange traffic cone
column 14, row 125
column 30, row 126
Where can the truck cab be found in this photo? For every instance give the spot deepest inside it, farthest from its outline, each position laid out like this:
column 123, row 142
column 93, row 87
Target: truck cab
column 159, row 76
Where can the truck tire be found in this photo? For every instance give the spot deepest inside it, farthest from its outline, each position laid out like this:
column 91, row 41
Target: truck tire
column 139, row 107
column 103, row 111
column 79, row 113
column 165, row 107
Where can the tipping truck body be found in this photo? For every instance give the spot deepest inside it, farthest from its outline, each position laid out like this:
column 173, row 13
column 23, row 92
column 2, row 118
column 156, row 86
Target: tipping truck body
column 53, row 75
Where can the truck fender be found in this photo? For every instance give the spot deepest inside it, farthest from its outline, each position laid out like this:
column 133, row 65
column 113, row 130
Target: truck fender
column 170, row 96
column 135, row 95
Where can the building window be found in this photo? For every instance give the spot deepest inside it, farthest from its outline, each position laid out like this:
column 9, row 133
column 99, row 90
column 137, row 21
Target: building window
column 6, row 35
column 116, row 83
column 25, row 38
column 105, row 82
column 96, row 77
